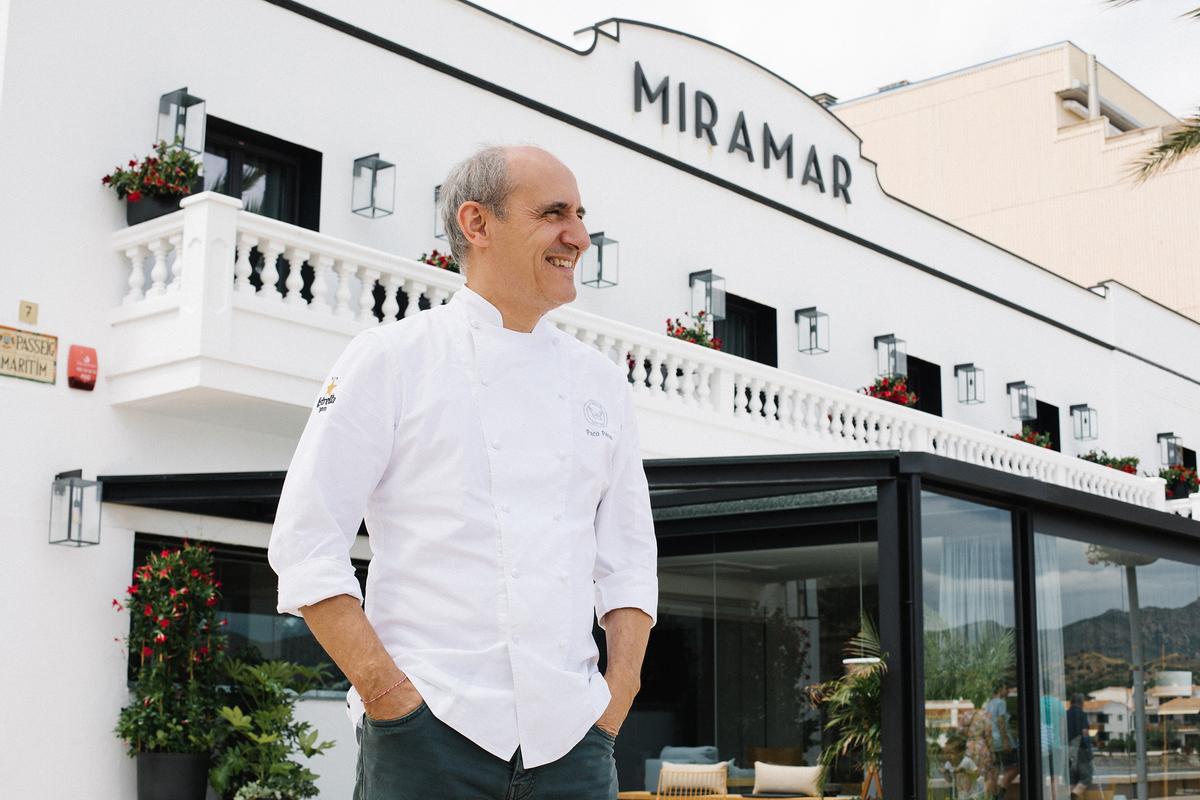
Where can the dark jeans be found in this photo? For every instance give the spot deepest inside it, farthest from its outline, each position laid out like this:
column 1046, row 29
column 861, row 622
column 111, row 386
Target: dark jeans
column 418, row 757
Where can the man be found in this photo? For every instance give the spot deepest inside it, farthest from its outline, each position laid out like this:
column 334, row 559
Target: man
column 496, row 459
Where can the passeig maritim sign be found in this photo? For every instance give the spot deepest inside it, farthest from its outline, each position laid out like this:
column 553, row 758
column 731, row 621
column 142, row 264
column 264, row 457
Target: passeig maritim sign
column 28, row 355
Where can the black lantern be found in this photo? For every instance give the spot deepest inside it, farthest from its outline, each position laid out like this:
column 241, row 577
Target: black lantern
column 600, row 262
column 708, row 294
column 812, row 331
column 891, row 355
column 970, row 383
column 439, row 229
column 1022, row 400
column 1171, row 449
column 74, row 510
column 181, row 117
column 1085, row 422
column 374, row 191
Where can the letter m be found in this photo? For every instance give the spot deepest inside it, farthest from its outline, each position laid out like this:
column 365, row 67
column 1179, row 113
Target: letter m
column 642, row 86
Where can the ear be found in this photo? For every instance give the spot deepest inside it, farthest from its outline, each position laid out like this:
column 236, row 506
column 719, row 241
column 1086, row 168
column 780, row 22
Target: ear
column 473, row 221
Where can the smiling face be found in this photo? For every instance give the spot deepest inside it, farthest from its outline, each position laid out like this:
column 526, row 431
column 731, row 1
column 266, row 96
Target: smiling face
column 525, row 262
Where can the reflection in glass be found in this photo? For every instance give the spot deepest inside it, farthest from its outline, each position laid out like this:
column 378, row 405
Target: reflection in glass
column 970, row 650
column 1119, row 646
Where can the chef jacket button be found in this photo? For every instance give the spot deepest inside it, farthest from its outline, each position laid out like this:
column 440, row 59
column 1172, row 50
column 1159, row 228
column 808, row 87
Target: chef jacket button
column 562, row 644
column 562, row 395
column 562, row 575
column 504, row 508
column 483, row 382
column 474, row 323
column 516, row 573
column 495, row 444
column 558, row 517
column 516, row 639
column 555, row 342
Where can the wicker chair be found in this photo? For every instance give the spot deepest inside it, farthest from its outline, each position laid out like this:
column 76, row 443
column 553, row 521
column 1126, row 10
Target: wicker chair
column 693, row 780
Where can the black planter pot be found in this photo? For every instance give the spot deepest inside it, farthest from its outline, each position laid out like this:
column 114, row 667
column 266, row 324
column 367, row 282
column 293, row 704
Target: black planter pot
column 152, row 206
column 1179, row 490
column 172, row 776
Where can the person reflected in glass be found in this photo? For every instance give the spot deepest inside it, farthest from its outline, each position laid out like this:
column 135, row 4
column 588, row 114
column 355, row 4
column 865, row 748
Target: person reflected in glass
column 976, row 727
column 1079, row 747
column 960, row 770
column 1004, row 745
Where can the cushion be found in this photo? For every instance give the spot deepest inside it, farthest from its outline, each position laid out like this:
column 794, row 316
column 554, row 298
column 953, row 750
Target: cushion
column 778, row 778
column 705, row 754
column 675, row 777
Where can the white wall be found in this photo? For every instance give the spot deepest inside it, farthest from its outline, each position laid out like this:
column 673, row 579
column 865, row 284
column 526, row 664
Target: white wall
column 74, row 105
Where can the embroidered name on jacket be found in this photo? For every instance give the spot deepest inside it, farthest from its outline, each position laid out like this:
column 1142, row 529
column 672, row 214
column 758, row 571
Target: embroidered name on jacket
column 329, row 398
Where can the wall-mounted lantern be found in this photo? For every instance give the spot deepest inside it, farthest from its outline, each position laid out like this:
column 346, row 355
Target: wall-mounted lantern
column 181, row 116
column 74, row 510
column 1022, row 400
column 439, row 229
column 970, row 383
column 708, row 294
column 892, row 356
column 374, row 191
column 812, row 331
column 1085, row 422
column 1170, row 448
column 600, row 261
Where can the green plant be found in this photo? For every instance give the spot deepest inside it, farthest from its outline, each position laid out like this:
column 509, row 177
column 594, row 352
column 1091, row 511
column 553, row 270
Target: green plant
column 256, row 746
column 696, row 333
column 1123, row 463
column 853, row 704
column 1029, row 435
column 1177, row 473
column 174, row 633
column 893, row 389
column 445, row 261
column 170, row 172
column 958, row 667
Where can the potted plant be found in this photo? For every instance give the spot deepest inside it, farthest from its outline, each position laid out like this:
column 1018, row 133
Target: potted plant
column 176, row 638
column 445, row 261
column 853, row 703
column 696, row 332
column 1123, row 463
column 1181, row 481
column 893, row 389
column 1030, row 436
column 153, row 186
column 260, row 738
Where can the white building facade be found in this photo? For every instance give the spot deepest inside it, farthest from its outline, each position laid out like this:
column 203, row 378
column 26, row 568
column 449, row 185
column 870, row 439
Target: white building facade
column 690, row 156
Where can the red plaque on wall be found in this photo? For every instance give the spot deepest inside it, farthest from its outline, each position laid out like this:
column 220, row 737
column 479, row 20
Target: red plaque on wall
column 81, row 367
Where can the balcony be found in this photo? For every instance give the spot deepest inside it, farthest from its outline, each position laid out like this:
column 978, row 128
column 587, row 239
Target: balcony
column 195, row 337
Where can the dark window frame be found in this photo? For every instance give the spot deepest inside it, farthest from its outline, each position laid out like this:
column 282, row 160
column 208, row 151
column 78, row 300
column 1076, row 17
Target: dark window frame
column 765, row 329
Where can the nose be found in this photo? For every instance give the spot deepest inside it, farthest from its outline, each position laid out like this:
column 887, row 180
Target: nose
column 576, row 235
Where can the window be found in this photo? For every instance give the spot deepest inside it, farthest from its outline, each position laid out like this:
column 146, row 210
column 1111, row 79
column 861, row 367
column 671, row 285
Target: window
column 925, row 379
column 1189, row 457
column 272, row 177
column 748, row 330
column 249, row 591
column 1047, row 422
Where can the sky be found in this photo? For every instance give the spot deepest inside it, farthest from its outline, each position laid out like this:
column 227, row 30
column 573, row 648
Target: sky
column 850, row 48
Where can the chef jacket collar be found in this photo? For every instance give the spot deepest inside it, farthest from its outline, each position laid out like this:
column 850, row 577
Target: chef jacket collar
column 480, row 309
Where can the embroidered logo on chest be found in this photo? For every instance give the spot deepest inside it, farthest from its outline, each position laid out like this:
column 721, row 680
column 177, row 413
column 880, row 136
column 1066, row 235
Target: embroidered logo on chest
column 595, row 414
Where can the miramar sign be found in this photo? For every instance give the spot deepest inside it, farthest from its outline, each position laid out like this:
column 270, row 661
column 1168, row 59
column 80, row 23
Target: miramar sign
column 703, row 120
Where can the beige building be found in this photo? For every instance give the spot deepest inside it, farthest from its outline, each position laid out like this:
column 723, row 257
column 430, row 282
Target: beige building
column 1027, row 152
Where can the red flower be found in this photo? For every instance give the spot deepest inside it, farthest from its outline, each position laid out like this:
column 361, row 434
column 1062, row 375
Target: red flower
column 203, row 650
column 131, row 590
column 134, row 196
column 132, row 163
column 165, row 553
column 117, row 603
column 164, row 623
column 195, row 573
column 147, row 651
column 224, row 622
column 148, row 611
column 106, row 180
column 160, row 637
column 212, row 601
column 171, row 592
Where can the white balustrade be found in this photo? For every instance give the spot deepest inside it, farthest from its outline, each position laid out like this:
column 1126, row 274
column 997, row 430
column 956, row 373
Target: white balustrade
column 686, row 378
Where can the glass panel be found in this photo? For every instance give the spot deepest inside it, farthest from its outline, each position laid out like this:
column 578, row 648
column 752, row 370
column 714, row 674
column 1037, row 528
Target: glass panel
column 216, row 170
column 1109, row 728
column 267, row 187
column 971, row 728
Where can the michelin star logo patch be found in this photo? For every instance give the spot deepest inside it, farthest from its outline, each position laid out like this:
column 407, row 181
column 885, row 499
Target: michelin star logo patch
column 329, row 398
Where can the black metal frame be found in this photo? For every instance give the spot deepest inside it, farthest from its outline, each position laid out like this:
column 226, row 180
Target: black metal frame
column 899, row 479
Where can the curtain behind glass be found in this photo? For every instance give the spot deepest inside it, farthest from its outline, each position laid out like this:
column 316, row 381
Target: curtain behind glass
column 1051, row 668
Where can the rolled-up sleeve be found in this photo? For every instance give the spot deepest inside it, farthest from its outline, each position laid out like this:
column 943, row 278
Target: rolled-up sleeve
column 342, row 454
column 626, row 571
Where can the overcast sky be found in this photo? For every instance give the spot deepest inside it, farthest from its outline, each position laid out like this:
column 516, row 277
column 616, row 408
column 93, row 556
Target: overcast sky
column 852, row 47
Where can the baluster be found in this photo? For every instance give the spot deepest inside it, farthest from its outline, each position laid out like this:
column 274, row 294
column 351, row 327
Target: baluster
column 756, row 404
column 158, row 272
column 295, row 279
column 587, row 336
column 771, row 406
column 391, row 297
column 657, row 376
column 176, row 262
column 704, row 397
column 739, row 394
column 438, row 296
column 270, row 272
column 322, row 269
column 870, row 429
column 790, row 412
column 639, row 368
column 687, row 381
column 345, row 269
column 857, row 432
column 414, row 290
column 137, row 275
column 366, row 297
column 671, row 380
column 837, row 427
column 603, row 345
column 242, row 266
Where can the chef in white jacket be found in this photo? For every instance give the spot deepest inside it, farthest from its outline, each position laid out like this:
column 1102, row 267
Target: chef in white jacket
column 495, row 460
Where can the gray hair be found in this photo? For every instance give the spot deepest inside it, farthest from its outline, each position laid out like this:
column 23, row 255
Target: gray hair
column 482, row 178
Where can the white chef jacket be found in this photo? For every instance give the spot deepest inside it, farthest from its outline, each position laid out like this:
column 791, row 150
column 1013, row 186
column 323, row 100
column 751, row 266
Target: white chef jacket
column 501, row 481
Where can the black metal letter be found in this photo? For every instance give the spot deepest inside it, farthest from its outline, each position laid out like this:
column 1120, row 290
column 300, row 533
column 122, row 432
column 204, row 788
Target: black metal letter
column 841, row 187
column 812, row 170
column 682, row 106
column 740, row 140
column 770, row 149
column 641, row 85
column 702, row 124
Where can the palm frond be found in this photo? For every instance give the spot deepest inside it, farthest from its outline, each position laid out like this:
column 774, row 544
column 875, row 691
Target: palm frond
column 1194, row 13
column 1179, row 143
